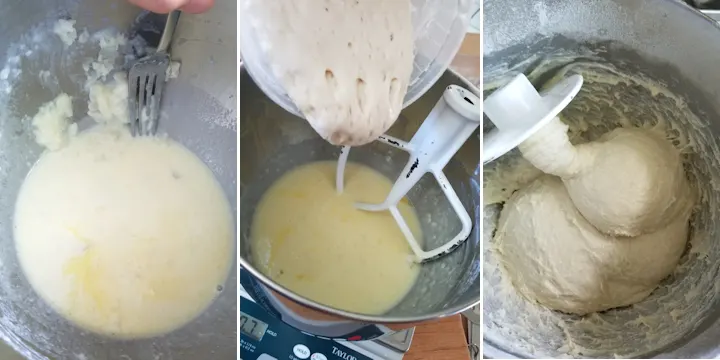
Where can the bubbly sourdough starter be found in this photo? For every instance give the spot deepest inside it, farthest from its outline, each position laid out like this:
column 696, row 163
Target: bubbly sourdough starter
column 313, row 241
column 345, row 64
column 128, row 237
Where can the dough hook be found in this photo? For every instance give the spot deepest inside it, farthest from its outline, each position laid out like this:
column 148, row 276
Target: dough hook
column 453, row 119
column 518, row 111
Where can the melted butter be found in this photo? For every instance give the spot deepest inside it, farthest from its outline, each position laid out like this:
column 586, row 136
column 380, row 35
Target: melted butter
column 87, row 274
column 123, row 236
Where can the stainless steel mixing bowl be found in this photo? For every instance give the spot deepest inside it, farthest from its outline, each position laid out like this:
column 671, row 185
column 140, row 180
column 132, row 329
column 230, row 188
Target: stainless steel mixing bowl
column 199, row 111
column 645, row 62
column 273, row 141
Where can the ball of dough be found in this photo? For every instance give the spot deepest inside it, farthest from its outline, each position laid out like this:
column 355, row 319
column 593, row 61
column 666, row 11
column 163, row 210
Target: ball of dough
column 556, row 257
column 632, row 183
column 629, row 182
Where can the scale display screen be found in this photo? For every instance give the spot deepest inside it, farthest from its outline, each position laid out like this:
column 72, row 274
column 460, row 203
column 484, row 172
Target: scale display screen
column 252, row 327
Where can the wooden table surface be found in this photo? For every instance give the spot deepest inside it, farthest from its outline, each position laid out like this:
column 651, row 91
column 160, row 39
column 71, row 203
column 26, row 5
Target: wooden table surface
column 467, row 59
column 439, row 340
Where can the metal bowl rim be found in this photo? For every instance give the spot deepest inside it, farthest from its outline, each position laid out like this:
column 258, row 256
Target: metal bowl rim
column 266, row 281
column 492, row 350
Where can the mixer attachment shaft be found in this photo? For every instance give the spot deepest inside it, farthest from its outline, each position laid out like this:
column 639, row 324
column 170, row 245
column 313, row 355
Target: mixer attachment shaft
column 518, row 111
column 451, row 122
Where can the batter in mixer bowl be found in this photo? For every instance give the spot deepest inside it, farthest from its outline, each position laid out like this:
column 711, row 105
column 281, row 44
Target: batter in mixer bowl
column 315, row 242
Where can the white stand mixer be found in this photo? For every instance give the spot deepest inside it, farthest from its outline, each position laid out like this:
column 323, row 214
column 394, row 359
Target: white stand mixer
column 518, row 111
column 453, row 119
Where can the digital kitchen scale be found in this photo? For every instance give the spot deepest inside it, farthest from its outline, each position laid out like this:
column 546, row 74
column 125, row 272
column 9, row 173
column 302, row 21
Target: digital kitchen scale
column 264, row 337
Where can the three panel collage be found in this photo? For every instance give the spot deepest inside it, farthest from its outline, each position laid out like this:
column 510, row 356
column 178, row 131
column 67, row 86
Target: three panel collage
column 359, row 179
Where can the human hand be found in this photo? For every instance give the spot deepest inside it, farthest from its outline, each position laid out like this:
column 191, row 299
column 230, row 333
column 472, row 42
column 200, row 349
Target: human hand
column 166, row 6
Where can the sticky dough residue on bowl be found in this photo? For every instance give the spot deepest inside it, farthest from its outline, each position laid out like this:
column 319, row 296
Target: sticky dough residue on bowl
column 610, row 98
